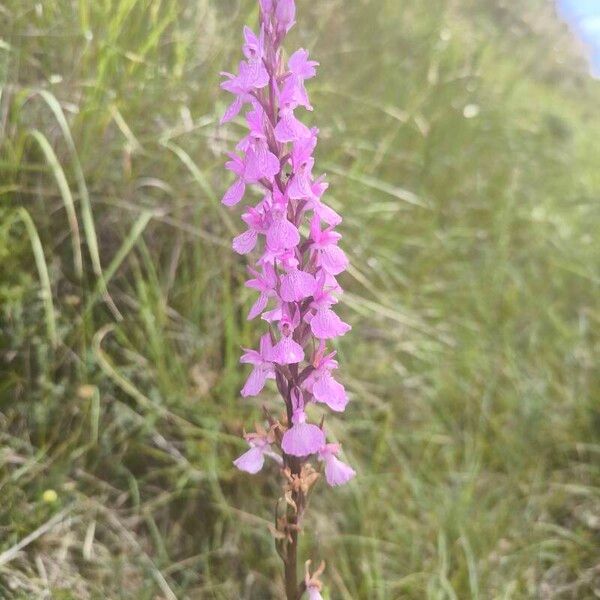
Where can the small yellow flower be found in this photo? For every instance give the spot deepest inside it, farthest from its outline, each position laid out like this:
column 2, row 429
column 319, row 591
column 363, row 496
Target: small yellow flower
column 50, row 496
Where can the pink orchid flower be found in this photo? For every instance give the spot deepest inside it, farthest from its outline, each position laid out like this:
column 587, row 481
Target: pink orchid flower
column 263, row 367
column 336, row 472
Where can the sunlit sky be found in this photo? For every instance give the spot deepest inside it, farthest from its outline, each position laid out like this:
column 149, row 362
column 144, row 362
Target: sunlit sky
column 584, row 18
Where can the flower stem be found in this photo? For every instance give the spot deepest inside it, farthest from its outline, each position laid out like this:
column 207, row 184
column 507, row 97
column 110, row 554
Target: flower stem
column 291, row 565
column 291, row 555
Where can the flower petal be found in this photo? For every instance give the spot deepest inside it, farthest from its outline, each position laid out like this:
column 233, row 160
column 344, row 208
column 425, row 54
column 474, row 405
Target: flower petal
column 337, row 472
column 303, row 439
column 326, row 325
column 333, row 260
column 282, row 235
column 233, row 110
column 290, row 129
column 251, row 461
column 300, row 187
column 326, row 213
column 235, row 193
column 245, row 242
column 261, row 163
column 258, row 307
column 266, row 5
column 314, row 593
column 297, row 285
column 287, row 352
column 256, row 382
column 285, row 13
column 327, row 390
column 300, row 66
column 251, row 357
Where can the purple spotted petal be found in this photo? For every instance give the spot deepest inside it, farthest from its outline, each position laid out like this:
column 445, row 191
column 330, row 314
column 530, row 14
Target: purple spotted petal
column 297, row 285
column 300, row 65
column 253, row 75
column 258, row 307
column 272, row 316
column 282, row 235
column 294, row 94
column 336, row 472
column 235, row 164
column 302, row 155
column 251, row 461
column 300, row 187
column 327, row 214
column 262, row 164
column 233, row 110
column 303, row 439
column 287, row 352
column 289, row 129
column 333, row 260
column 251, row 357
column 326, row 325
column 246, row 242
column 256, row 382
column 327, row 390
column 235, row 193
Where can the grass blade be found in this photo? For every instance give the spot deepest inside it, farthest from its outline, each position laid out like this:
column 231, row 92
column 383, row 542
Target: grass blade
column 42, row 268
column 86, row 206
column 186, row 159
column 66, row 195
column 136, row 230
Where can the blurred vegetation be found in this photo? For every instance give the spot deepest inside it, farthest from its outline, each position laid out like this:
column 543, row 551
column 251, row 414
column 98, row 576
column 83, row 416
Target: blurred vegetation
column 461, row 142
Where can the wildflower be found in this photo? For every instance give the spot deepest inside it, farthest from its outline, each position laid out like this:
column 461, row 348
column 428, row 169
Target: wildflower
column 301, row 67
column 325, row 325
column 237, row 190
column 329, row 255
column 312, row 582
column 288, row 351
column 291, row 235
column 282, row 234
column 303, row 438
column 263, row 368
column 264, row 283
column 253, row 460
column 49, row 496
column 297, row 285
column 336, row 472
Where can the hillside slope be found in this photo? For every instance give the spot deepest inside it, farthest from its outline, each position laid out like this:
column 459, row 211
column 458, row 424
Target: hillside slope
column 460, row 140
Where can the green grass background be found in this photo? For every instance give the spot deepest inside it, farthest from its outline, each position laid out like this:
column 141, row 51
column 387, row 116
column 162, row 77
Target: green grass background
column 473, row 292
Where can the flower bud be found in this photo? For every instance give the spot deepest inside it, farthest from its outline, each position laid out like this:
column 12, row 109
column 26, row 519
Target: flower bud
column 266, row 6
column 285, row 13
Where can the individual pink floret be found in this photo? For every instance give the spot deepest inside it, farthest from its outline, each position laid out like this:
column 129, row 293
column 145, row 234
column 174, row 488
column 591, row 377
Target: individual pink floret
column 336, row 472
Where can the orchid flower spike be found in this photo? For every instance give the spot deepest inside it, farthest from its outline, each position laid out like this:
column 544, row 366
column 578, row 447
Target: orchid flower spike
column 291, row 239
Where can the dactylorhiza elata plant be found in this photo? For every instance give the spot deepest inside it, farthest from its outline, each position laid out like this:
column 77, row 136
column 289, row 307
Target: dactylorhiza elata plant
column 295, row 275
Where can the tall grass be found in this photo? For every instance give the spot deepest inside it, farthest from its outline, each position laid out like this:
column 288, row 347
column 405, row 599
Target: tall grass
column 460, row 139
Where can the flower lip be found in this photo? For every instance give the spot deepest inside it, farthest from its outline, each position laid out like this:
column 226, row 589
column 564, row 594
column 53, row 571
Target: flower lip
column 302, row 439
